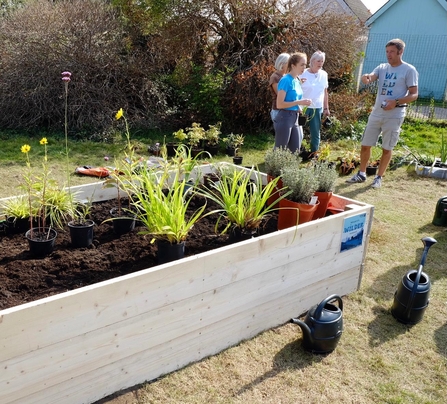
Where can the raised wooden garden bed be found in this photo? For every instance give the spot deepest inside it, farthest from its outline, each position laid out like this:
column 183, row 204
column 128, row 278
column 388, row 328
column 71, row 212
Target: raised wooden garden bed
column 82, row 345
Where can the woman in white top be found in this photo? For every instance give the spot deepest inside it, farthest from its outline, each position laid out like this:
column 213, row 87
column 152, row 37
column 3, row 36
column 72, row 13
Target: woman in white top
column 315, row 85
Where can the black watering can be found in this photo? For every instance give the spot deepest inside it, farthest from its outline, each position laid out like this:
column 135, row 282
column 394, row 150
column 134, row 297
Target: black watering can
column 323, row 325
column 440, row 217
column 412, row 295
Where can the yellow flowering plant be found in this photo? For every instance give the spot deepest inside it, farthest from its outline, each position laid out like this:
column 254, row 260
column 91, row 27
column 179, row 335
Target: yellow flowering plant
column 48, row 205
column 125, row 166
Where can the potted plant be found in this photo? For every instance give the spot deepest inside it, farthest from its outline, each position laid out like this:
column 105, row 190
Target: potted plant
column 17, row 214
column 171, row 147
column 234, row 142
column 155, row 149
column 277, row 159
column 349, row 162
column 123, row 218
column 242, row 201
column 195, row 136
column 373, row 164
column 212, row 138
column 161, row 203
column 81, row 226
column 42, row 236
column 298, row 207
column 327, row 175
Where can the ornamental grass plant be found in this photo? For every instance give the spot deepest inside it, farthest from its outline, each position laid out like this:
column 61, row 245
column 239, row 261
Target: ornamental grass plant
column 243, row 199
column 161, row 200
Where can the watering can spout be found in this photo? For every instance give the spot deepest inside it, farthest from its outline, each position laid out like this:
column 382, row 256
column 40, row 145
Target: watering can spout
column 307, row 334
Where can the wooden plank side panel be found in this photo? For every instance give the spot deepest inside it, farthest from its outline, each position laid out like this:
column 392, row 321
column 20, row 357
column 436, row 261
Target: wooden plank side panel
column 61, row 317
column 168, row 286
column 175, row 354
column 95, row 350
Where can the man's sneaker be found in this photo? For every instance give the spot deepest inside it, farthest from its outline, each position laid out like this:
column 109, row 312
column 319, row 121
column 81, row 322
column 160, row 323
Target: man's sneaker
column 356, row 178
column 377, row 183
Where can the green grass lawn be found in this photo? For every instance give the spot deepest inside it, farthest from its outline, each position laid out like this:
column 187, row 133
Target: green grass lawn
column 378, row 360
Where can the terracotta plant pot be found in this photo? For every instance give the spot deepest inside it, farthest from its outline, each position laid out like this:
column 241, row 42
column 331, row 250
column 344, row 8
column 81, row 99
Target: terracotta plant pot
column 324, row 199
column 293, row 213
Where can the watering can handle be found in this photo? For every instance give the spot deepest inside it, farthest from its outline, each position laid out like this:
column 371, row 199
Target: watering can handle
column 428, row 242
column 320, row 307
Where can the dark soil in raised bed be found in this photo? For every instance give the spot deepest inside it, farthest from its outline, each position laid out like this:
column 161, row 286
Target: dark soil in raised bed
column 24, row 278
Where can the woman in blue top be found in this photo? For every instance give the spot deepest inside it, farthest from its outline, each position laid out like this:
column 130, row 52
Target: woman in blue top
column 288, row 101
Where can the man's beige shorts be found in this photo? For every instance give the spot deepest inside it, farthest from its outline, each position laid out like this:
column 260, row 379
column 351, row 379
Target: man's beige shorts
column 388, row 127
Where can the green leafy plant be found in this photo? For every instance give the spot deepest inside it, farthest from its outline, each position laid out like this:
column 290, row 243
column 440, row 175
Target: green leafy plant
column 376, row 153
column 17, row 207
column 324, row 153
column 301, row 182
column 212, row 135
column 349, row 161
column 195, row 134
column 184, row 162
column 242, row 199
column 278, row 158
column 421, row 159
column 161, row 210
column 81, row 213
column 180, row 135
column 234, row 141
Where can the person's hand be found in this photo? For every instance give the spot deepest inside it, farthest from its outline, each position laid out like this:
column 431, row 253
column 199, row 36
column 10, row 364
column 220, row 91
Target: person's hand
column 366, row 79
column 326, row 112
column 306, row 102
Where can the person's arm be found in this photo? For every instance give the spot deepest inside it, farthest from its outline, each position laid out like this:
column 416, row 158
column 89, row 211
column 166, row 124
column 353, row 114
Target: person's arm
column 281, row 104
column 326, row 111
column 410, row 97
column 275, row 88
column 369, row 78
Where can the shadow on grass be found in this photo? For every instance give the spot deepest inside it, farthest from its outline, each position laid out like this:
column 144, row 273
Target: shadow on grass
column 292, row 356
column 441, row 339
column 384, row 327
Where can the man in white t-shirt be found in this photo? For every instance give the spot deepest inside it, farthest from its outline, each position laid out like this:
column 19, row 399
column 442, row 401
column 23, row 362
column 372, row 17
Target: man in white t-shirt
column 315, row 85
column 398, row 86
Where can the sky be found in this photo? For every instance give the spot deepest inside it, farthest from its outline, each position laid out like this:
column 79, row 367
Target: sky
column 373, row 5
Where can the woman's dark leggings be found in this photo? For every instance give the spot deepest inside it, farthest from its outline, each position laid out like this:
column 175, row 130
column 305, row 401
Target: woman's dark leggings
column 287, row 132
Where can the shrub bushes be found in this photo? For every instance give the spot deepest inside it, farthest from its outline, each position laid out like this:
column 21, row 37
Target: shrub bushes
column 168, row 64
